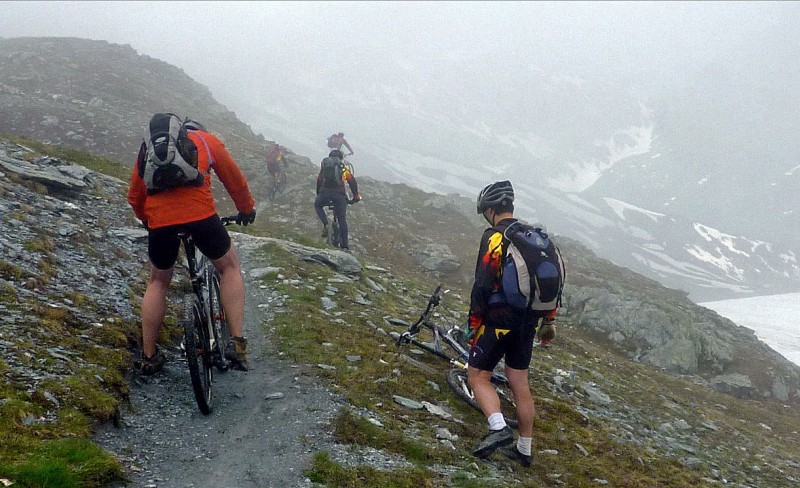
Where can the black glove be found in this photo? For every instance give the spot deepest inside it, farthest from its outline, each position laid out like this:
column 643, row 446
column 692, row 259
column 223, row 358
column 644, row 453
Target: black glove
column 246, row 218
column 546, row 332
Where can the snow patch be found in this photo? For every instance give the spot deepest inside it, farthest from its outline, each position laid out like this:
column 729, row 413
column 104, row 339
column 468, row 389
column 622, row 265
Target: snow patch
column 773, row 318
column 712, row 234
column 619, row 207
column 586, row 173
column 791, row 171
column 719, row 260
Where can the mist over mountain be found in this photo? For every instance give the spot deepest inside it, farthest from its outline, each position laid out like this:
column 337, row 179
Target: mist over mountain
column 677, row 164
column 700, row 138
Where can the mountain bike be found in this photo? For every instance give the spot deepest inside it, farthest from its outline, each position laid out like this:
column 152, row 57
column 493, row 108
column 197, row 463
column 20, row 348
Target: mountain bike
column 205, row 328
column 458, row 356
column 277, row 185
column 335, row 235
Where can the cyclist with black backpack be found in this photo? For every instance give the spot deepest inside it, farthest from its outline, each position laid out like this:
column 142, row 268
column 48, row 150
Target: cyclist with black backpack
column 333, row 174
column 170, row 192
column 518, row 281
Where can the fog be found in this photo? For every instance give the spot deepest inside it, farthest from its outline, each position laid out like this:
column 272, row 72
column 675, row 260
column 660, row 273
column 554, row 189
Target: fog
column 683, row 109
column 245, row 51
column 551, row 87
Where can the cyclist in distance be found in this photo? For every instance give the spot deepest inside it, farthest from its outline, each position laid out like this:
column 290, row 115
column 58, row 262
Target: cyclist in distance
column 275, row 157
column 188, row 207
column 337, row 140
column 331, row 190
column 498, row 330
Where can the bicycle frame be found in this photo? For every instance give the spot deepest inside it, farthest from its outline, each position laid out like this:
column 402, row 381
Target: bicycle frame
column 439, row 334
column 201, row 336
column 457, row 378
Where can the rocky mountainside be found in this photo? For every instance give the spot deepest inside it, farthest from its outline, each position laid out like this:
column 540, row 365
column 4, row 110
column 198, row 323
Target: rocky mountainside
column 397, row 224
column 99, row 96
column 73, row 268
column 72, row 265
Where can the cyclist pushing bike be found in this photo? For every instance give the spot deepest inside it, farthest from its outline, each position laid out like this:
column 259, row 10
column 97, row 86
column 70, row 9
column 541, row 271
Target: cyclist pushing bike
column 499, row 327
column 331, row 190
column 170, row 192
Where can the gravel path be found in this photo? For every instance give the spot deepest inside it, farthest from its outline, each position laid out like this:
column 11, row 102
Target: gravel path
column 264, row 429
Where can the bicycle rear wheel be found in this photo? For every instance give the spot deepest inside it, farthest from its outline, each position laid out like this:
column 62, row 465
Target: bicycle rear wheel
column 198, row 358
column 283, row 182
column 457, row 379
column 219, row 325
column 273, row 191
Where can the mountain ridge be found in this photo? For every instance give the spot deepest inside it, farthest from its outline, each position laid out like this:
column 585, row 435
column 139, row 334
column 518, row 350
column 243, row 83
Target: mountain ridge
column 416, row 230
column 617, row 327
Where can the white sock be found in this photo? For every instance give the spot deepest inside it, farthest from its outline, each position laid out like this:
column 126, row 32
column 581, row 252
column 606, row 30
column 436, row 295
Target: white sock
column 524, row 445
column 496, row 421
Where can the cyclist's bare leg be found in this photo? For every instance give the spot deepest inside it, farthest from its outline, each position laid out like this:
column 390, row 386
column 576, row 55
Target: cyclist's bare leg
column 526, row 409
column 481, row 384
column 154, row 305
column 231, row 291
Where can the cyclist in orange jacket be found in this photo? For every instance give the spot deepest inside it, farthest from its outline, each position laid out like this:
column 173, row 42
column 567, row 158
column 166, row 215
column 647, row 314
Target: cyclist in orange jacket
column 192, row 209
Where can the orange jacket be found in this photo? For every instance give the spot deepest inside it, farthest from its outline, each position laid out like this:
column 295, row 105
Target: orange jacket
column 191, row 203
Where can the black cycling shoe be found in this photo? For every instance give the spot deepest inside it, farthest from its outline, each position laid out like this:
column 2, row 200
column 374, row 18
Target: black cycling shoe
column 514, row 454
column 493, row 440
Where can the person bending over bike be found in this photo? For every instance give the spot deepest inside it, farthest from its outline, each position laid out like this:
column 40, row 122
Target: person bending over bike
column 168, row 207
column 498, row 330
column 331, row 190
column 275, row 158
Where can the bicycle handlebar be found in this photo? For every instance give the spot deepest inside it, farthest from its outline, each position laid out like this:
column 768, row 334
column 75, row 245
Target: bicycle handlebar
column 226, row 221
column 433, row 301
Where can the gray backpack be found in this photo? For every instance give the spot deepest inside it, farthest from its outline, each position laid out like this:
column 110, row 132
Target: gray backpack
column 167, row 157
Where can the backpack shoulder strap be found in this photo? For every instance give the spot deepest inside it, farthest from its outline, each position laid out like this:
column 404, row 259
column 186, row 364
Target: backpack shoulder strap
column 205, row 144
column 506, row 230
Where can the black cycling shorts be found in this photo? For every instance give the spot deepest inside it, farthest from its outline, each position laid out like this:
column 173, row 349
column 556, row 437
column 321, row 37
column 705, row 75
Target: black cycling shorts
column 508, row 334
column 209, row 235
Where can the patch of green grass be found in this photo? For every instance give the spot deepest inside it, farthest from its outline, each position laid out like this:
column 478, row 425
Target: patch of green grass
column 64, row 463
column 8, row 294
column 11, row 272
column 353, row 429
column 43, row 245
column 328, row 472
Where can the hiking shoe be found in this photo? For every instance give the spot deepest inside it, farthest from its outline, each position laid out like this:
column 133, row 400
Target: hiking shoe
column 514, row 454
column 325, row 230
column 236, row 353
column 493, row 440
column 152, row 365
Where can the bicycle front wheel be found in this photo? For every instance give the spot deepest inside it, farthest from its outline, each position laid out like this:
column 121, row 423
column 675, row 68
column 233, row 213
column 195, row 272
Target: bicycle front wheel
column 198, row 357
column 335, row 236
column 457, row 379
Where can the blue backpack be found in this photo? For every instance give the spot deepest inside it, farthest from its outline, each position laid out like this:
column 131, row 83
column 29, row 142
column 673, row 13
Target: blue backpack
column 532, row 270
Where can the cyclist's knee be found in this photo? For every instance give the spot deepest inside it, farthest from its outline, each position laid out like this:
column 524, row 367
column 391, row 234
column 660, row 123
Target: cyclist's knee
column 228, row 262
column 160, row 277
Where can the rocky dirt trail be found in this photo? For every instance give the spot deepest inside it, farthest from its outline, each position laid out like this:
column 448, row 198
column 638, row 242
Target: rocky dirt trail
column 265, row 426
